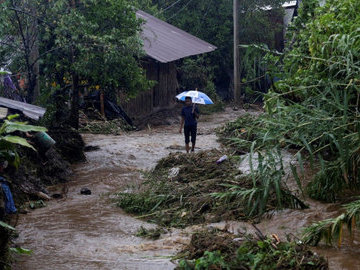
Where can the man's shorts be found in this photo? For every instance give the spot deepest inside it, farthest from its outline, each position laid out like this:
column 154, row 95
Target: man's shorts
column 190, row 130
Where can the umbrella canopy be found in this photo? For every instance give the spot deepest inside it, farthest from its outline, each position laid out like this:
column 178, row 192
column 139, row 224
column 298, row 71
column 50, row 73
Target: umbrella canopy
column 196, row 96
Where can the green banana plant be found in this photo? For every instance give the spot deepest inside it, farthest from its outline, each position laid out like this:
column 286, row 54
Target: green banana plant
column 9, row 142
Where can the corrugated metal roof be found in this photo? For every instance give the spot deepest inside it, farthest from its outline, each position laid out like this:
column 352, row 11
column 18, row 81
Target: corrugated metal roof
column 288, row 16
column 166, row 43
column 289, row 4
column 31, row 111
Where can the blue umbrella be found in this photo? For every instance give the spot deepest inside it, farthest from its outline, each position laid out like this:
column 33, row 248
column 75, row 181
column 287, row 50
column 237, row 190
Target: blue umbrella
column 196, row 96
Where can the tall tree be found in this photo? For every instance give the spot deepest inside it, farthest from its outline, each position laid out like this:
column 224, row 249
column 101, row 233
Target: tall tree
column 19, row 38
column 95, row 40
column 212, row 21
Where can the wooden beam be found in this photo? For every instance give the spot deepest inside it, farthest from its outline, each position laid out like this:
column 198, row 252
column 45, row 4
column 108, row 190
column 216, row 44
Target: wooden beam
column 237, row 90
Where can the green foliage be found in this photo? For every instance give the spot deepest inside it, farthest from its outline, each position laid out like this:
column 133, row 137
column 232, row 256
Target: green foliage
column 212, row 21
column 266, row 190
column 96, row 40
column 21, row 251
column 6, row 226
column 10, row 127
column 286, row 255
column 205, row 191
column 320, row 73
column 197, row 73
column 152, row 234
column 331, row 230
column 104, row 37
column 249, row 253
column 116, row 127
column 210, row 260
column 239, row 134
column 328, row 184
column 37, row 204
column 313, row 108
column 9, row 142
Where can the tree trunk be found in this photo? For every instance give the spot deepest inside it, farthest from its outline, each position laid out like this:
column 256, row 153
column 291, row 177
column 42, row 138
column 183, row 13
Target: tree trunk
column 74, row 114
column 237, row 90
column 34, row 55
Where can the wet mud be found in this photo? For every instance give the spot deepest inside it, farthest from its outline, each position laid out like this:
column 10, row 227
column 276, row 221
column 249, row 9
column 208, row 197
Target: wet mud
column 88, row 232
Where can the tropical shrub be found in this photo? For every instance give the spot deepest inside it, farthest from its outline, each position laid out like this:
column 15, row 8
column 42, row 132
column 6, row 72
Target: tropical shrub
column 9, row 142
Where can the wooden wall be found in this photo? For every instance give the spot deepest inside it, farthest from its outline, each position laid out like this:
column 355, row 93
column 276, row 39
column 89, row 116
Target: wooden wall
column 160, row 96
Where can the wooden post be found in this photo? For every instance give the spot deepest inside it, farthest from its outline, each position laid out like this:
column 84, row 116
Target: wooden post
column 34, row 53
column 237, row 90
column 102, row 106
column 74, row 114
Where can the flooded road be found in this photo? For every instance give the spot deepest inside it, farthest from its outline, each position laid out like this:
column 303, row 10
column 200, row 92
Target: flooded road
column 88, row 232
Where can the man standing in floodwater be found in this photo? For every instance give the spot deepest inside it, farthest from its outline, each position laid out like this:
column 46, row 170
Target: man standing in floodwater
column 189, row 114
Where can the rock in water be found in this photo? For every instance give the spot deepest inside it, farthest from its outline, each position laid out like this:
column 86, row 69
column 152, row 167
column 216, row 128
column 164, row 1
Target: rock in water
column 57, row 196
column 85, row 191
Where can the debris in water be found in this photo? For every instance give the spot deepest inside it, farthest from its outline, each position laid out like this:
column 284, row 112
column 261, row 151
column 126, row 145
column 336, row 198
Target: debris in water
column 199, row 191
column 85, row 191
column 152, row 234
column 222, row 159
column 90, row 148
column 173, row 172
column 216, row 249
column 57, row 196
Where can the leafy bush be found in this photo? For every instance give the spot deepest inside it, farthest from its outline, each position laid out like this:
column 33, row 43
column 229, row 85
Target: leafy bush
column 313, row 107
column 9, row 142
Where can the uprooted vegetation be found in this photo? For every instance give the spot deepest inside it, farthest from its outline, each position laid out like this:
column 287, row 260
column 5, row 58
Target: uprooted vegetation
column 5, row 236
column 95, row 123
column 211, row 249
column 113, row 127
column 334, row 230
column 192, row 189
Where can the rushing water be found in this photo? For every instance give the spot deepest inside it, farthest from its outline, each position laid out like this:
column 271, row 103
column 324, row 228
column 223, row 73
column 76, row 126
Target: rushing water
column 88, row 232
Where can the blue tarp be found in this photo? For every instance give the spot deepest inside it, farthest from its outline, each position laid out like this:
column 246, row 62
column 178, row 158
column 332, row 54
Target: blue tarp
column 9, row 202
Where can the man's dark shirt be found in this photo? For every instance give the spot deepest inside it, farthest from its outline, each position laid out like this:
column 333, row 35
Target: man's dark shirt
column 190, row 119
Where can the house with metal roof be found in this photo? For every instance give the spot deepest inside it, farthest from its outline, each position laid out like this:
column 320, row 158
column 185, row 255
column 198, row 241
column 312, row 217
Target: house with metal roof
column 163, row 45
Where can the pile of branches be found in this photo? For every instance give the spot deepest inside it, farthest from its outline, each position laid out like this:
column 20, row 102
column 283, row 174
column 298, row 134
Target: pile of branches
column 97, row 124
column 211, row 249
column 192, row 189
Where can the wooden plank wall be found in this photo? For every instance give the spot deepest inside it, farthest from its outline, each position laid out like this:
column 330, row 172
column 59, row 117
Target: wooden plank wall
column 160, row 96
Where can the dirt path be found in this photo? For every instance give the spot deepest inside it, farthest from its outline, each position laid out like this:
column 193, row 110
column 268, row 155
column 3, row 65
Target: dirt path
column 86, row 232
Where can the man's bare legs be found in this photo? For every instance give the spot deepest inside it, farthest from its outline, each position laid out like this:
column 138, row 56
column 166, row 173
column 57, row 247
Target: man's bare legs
column 187, row 146
column 192, row 147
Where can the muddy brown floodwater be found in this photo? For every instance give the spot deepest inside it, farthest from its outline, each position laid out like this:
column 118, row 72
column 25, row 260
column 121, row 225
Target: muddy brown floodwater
column 88, row 232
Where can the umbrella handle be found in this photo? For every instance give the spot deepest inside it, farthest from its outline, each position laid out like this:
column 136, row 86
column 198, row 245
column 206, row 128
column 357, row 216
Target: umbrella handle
column 193, row 108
